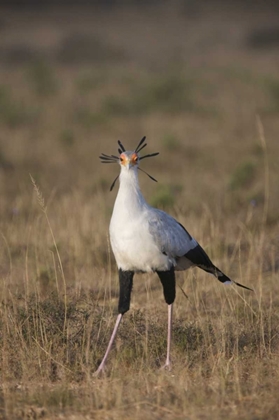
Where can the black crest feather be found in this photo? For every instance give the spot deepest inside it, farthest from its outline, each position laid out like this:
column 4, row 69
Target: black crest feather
column 115, row 159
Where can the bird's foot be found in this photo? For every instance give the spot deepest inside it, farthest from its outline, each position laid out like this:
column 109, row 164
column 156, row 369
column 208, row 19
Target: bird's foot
column 99, row 372
column 167, row 366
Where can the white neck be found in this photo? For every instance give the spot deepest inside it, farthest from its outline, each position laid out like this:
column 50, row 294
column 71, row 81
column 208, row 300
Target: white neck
column 129, row 199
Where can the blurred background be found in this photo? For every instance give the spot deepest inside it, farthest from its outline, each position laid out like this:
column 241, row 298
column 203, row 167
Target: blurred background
column 199, row 79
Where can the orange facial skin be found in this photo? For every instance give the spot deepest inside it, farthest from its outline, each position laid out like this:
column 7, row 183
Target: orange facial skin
column 123, row 159
column 126, row 159
column 134, row 159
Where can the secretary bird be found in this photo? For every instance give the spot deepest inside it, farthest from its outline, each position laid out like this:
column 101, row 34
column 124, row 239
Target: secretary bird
column 145, row 239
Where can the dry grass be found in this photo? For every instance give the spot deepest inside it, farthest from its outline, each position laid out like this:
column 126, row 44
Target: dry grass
column 207, row 102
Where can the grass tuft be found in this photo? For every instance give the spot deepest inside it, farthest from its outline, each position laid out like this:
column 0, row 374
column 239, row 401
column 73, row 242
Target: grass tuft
column 42, row 78
column 171, row 143
column 243, row 175
column 15, row 113
column 67, row 138
column 163, row 198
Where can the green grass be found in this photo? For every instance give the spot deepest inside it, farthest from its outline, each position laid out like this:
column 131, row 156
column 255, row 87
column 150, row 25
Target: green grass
column 15, row 112
column 243, row 175
column 41, row 77
column 67, row 137
column 164, row 197
column 272, row 86
column 171, row 142
column 168, row 93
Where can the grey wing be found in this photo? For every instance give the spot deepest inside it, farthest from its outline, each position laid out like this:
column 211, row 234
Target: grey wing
column 171, row 237
column 174, row 241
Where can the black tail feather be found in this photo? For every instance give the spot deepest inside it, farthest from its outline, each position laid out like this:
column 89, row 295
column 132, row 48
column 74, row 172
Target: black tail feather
column 244, row 287
column 199, row 258
column 223, row 278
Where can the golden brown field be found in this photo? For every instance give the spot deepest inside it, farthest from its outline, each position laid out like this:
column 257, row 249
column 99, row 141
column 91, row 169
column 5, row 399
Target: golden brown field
column 203, row 86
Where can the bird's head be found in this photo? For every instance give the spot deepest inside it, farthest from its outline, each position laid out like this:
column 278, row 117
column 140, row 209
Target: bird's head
column 128, row 160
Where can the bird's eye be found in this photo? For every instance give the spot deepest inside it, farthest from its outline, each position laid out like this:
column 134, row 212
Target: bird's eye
column 121, row 159
column 136, row 159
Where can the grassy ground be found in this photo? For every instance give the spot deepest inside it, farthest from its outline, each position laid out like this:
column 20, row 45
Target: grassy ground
column 207, row 98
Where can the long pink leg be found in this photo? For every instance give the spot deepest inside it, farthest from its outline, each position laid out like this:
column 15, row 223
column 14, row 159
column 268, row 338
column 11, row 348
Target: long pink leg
column 167, row 365
column 102, row 365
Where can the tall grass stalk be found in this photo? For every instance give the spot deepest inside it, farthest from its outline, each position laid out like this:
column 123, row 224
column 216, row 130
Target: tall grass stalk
column 43, row 207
